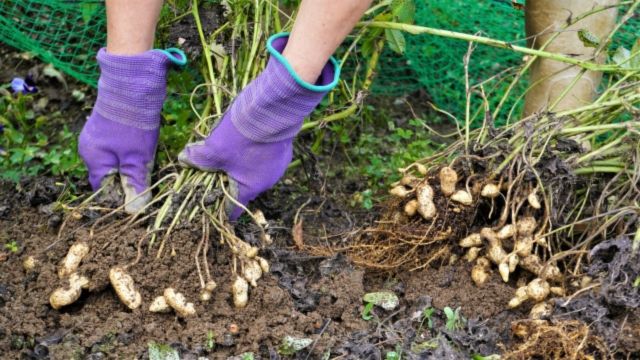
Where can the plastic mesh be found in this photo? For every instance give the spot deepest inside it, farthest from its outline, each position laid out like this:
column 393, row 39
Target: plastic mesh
column 436, row 63
column 66, row 34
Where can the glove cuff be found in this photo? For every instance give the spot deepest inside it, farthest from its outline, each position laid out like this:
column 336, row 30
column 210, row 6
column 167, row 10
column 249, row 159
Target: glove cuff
column 329, row 76
column 272, row 107
column 132, row 88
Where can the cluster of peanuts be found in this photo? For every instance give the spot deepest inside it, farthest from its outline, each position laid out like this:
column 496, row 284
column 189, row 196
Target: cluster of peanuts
column 423, row 202
column 507, row 248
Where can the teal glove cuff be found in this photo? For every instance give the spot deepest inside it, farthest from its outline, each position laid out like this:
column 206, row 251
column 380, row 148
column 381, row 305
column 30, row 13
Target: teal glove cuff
column 175, row 55
column 313, row 87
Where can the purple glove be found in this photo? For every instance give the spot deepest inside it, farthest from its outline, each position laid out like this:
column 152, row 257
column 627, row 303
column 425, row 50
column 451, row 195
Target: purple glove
column 121, row 134
column 253, row 141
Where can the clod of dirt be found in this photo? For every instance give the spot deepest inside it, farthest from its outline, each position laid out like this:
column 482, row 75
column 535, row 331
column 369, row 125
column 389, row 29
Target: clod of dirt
column 611, row 309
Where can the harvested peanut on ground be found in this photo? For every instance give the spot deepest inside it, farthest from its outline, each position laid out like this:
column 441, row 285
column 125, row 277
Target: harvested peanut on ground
column 159, row 305
column 125, row 288
column 73, row 259
column 490, row 191
column 240, row 291
column 69, row 294
column 179, row 303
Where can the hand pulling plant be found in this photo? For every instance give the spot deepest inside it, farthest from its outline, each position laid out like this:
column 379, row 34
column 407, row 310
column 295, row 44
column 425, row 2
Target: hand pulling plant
column 233, row 55
column 533, row 195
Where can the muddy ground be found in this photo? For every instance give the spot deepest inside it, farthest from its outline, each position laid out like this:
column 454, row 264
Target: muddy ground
column 303, row 296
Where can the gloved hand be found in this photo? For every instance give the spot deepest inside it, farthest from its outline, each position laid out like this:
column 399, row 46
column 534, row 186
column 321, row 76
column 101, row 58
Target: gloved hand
column 253, row 142
column 121, row 134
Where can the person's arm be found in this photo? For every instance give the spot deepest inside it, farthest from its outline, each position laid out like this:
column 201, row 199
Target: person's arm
column 253, row 141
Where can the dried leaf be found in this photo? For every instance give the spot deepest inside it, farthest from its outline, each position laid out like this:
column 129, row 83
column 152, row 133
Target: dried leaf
column 298, row 239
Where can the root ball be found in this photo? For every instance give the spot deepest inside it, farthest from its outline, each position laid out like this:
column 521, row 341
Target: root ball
column 179, row 303
column 73, row 259
column 125, row 288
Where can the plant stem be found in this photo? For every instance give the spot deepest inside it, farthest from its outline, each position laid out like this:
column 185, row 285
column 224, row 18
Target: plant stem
column 417, row 30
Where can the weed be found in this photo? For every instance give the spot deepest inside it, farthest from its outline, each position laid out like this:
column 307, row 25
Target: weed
column 454, row 320
column 31, row 144
column 12, row 246
column 367, row 311
column 427, row 315
column 210, row 343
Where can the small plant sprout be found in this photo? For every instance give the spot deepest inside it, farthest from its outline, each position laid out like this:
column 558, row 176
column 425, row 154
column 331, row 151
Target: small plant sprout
column 392, row 355
column 210, row 342
column 427, row 315
column 367, row 311
column 454, row 320
column 12, row 246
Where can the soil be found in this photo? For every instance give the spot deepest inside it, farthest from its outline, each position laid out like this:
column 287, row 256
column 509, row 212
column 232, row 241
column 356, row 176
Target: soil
column 304, row 295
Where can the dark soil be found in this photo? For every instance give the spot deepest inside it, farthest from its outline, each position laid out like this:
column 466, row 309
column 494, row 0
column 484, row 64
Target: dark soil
column 309, row 296
column 303, row 296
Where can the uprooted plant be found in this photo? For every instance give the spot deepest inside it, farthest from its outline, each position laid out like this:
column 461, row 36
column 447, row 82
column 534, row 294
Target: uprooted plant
column 535, row 195
column 232, row 57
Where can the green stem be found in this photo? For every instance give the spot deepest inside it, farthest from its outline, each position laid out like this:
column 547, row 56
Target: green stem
column 583, row 129
column 417, row 30
column 590, row 170
column 207, row 55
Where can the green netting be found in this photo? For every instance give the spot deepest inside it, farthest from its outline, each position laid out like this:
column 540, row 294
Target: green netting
column 436, row 63
column 66, row 34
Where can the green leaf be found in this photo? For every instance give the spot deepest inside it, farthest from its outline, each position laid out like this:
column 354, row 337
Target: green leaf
column 396, row 40
column 158, row 351
column 88, row 9
column 588, row 38
column 366, row 312
column 392, row 355
column 404, row 11
column 635, row 55
column 621, row 57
